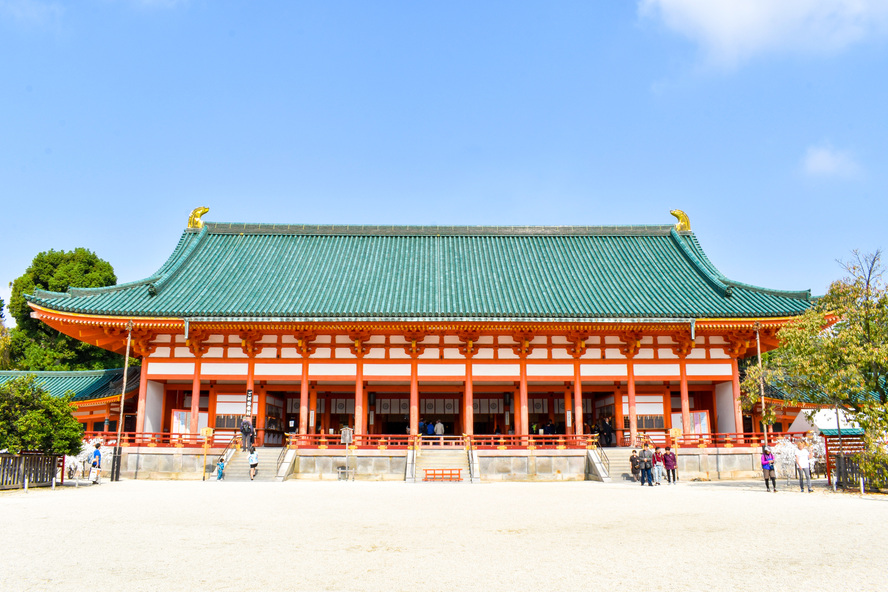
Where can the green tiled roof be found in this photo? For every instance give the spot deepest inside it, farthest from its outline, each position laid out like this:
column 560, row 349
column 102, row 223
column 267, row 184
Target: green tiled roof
column 305, row 273
column 86, row 384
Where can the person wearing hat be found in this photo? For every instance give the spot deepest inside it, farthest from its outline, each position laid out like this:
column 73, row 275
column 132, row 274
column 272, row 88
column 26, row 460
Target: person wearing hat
column 768, row 469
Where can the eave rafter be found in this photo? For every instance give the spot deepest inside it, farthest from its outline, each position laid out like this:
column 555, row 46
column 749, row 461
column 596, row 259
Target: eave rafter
column 109, row 332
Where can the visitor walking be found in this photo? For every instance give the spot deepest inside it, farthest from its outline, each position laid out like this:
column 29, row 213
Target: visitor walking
column 608, row 432
column 658, row 465
column 253, row 459
column 220, row 469
column 768, row 469
column 96, row 469
column 670, row 462
column 646, row 462
column 803, row 464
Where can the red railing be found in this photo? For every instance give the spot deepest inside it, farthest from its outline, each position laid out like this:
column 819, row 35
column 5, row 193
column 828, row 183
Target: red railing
column 221, row 438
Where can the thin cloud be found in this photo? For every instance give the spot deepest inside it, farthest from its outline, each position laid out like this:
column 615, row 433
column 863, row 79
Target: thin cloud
column 733, row 31
column 33, row 12
column 826, row 161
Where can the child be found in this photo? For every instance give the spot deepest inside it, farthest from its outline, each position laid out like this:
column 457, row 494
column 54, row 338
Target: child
column 220, row 469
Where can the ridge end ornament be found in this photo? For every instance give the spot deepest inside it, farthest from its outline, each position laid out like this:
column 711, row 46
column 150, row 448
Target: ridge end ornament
column 194, row 220
column 683, row 222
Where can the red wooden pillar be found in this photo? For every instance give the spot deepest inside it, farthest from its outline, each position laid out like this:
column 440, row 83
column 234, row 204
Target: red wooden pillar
column 312, row 409
column 303, row 399
column 359, row 398
column 735, row 380
column 414, row 398
column 143, row 395
column 195, row 397
column 633, row 416
column 568, row 425
column 521, row 418
column 578, row 400
column 260, row 416
column 468, row 402
column 685, row 400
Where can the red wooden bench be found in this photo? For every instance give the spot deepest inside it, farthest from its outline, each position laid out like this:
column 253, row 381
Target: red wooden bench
column 442, row 475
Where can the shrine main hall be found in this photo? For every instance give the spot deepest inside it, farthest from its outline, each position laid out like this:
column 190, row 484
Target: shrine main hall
column 491, row 330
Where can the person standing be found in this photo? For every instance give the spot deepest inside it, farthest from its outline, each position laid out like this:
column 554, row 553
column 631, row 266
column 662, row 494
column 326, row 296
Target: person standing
column 670, row 463
column 803, row 464
column 96, row 464
column 658, row 465
column 633, row 464
column 253, row 459
column 768, row 469
column 247, row 433
column 608, row 432
column 646, row 462
column 220, row 469
column 439, row 431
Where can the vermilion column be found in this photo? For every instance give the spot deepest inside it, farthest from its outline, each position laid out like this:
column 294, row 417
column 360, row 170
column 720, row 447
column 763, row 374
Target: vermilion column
column 685, row 400
column 633, row 416
column 522, row 426
column 567, row 409
column 312, row 409
column 738, row 413
column 468, row 402
column 195, row 397
column 359, row 398
column 143, row 395
column 578, row 400
column 303, row 399
column 414, row 399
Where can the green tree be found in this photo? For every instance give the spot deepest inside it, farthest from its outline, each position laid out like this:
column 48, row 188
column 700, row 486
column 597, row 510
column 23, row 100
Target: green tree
column 4, row 340
column 836, row 354
column 34, row 345
column 32, row 419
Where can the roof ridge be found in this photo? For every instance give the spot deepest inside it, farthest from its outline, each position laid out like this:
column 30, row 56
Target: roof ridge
column 59, row 372
column 714, row 279
column 433, row 230
column 155, row 287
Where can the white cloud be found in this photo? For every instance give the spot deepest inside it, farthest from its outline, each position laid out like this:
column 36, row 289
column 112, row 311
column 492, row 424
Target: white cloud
column 826, row 161
column 731, row 31
column 31, row 11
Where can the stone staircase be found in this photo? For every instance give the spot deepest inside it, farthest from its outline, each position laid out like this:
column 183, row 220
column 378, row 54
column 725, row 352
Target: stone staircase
column 444, row 458
column 620, row 467
column 238, row 469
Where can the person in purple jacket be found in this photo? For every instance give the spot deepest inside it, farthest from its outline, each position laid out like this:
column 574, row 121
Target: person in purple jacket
column 768, row 469
column 670, row 463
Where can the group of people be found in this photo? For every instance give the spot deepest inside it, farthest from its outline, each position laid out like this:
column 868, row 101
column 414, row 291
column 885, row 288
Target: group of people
column 248, row 434
column 430, row 429
column 650, row 465
column 802, row 465
column 604, row 429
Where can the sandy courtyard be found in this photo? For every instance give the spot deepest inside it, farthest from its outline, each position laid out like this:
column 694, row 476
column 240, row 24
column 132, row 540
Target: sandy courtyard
column 144, row 535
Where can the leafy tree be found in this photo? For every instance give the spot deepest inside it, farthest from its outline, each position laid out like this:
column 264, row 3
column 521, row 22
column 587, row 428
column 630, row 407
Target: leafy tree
column 4, row 341
column 32, row 419
column 34, row 345
column 836, row 354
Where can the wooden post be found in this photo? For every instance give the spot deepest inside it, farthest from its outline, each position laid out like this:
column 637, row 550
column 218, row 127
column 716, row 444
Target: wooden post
column 468, row 402
column 195, row 397
column 633, row 416
column 735, row 380
column 360, row 410
column 685, row 400
column 414, row 399
column 567, row 409
column 303, row 399
column 578, row 400
column 521, row 426
column 312, row 409
column 143, row 395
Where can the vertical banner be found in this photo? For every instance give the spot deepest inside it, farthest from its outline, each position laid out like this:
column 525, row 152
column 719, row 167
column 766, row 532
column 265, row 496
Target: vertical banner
column 249, row 410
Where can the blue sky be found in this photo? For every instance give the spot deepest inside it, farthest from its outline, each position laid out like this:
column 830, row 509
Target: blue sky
column 765, row 121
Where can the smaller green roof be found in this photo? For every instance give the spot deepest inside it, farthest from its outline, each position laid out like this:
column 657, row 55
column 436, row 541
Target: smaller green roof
column 845, row 432
column 87, row 385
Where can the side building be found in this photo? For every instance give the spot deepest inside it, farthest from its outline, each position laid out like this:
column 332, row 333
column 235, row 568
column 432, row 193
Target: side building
column 487, row 329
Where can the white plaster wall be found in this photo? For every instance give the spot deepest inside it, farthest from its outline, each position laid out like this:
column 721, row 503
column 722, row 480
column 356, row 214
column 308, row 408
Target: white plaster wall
column 550, row 370
column 153, row 406
column 724, row 407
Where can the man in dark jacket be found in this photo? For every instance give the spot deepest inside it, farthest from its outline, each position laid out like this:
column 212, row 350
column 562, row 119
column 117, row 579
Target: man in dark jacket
column 646, row 463
column 247, row 433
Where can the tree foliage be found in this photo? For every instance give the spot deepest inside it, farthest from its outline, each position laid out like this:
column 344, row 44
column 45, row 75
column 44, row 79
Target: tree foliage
column 31, row 419
column 34, row 345
column 836, row 354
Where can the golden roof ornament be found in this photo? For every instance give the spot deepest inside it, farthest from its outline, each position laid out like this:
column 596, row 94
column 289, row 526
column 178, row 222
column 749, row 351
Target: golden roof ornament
column 683, row 222
column 194, row 220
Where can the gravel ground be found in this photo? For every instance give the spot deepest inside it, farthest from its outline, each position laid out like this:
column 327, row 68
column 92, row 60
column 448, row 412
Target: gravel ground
column 298, row 535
